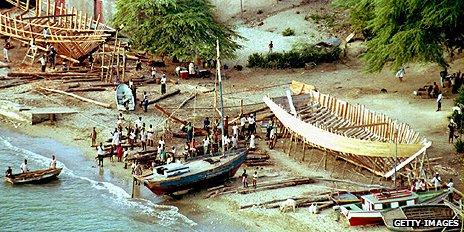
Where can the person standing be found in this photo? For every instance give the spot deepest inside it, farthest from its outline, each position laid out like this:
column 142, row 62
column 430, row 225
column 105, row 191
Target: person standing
column 43, row 63
column 53, row 162
column 400, row 74
column 162, row 143
column 52, row 56
column 439, row 99
column 119, row 152
column 143, row 139
column 205, row 145
column 226, row 125
column 189, row 132
column 9, row 172
column 163, row 84
column 100, row 155
column 206, row 124
column 245, row 179
column 145, row 104
column 255, row 179
column 93, row 137
column 436, row 180
column 450, row 186
column 451, row 128
column 271, row 46
column 138, row 65
column 252, row 142
column 6, row 47
column 234, row 130
column 23, row 167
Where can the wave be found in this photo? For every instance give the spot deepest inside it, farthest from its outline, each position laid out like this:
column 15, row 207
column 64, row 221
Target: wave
column 168, row 215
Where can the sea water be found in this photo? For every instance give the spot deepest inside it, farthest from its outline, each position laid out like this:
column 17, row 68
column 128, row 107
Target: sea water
column 84, row 198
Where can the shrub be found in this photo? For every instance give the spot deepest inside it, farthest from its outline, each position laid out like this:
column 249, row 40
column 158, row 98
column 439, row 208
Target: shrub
column 459, row 145
column 460, row 98
column 300, row 55
column 288, row 32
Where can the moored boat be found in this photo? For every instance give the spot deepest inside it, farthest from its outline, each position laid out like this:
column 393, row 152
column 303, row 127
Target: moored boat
column 174, row 177
column 34, row 177
column 369, row 211
column 421, row 213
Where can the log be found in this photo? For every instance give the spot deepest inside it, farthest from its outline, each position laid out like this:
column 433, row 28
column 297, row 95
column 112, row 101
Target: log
column 172, row 93
column 258, row 163
column 106, row 105
column 104, row 85
column 169, row 115
column 77, row 85
column 300, row 200
column 82, row 80
column 187, row 100
column 12, row 84
column 50, row 74
column 257, row 157
column 88, row 89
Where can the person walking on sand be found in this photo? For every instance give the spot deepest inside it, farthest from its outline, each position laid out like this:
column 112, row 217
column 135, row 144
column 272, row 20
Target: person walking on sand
column 451, row 127
column 271, row 46
column 400, row 74
column 439, row 99
column 93, row 137
column 163, row 84
column 255, row 178
column 245, row 179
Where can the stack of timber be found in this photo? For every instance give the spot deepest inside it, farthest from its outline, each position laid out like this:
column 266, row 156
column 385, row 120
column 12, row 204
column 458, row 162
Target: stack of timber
column 351, row 132
column 74, row 34
column 258, row 158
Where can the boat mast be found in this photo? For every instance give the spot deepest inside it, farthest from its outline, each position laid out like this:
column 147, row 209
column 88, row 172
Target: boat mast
column 220, row 95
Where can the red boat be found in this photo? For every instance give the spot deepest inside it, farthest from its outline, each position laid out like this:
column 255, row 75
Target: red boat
column 369, row 211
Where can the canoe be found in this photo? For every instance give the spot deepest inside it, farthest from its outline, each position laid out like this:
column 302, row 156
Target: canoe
column 124, row 98
column 419, row 212
column 35, row 177
column 195, row 174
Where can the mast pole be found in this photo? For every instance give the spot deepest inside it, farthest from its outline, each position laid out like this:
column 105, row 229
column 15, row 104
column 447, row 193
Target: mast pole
column 220, row 95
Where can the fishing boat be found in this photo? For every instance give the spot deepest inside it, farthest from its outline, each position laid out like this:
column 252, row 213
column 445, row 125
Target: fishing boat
column 124, row 98
column 420, row 212
column 369, row 210
column 34, row 177
column 197, row 173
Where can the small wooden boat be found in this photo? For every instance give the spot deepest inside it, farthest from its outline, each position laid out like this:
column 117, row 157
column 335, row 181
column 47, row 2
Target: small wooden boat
column 369, row 210
column 124, row 98
column 34, row 177
column 198, row 173
column 419, row 212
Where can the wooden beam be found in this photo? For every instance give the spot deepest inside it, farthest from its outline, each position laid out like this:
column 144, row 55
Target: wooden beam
column 361, row 126
column 47, row 16
column 106, row 105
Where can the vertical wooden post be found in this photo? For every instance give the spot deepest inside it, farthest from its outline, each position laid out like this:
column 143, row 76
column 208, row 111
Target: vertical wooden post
column 241, row 107
column 304, row 151
column 48, row 7
column 290, row 146
column 27, row 4
column 325, row 160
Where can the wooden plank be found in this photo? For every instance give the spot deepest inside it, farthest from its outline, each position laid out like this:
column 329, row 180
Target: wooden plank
column 360, row 126
column 106, row 105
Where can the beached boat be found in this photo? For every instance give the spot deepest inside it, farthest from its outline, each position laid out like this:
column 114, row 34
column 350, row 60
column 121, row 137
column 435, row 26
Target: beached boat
column 419, row 212
column 369, row 211
column 35, row 177
column 124, row 98
column 198, row 173
column 351, row 132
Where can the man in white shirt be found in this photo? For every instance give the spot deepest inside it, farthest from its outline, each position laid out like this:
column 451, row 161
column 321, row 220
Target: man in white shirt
column 162, row 143
column 115, row 139
column 138, row 123
column 53, row 162
column 439, row 99
column 205, row 145
column 252, row 141
column 163, row 84
column 100, row 155
column 23, row 167
column 436, row 181
column 43, row 63
column 234, row 141
column 450, row 186
column 234, row 129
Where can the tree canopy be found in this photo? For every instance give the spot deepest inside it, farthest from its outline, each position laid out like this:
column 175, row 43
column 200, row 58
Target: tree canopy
column 183, row 29
column 402, row 31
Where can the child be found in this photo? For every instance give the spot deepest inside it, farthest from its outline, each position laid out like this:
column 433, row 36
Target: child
column 255, row 178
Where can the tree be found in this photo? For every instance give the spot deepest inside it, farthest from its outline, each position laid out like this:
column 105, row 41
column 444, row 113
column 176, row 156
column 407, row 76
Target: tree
column 410, row 30
column 184, row 29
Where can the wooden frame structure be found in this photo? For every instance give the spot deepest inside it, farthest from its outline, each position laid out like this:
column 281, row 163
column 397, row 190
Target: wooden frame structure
column 74, row 34
column 351, row 132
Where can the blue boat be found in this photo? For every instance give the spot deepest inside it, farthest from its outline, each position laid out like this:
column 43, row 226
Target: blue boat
column 195, row 174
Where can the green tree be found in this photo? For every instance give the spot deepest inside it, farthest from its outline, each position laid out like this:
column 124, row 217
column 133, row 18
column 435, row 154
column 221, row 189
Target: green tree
column 405, row 31
column 184, row 29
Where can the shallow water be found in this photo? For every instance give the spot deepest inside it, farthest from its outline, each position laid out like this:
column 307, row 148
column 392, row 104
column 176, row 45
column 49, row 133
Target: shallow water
column 84, row 198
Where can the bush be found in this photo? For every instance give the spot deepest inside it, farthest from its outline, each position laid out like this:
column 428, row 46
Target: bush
column 300, row 55
column 459, row 145
column 288, row 32
column 460, row 98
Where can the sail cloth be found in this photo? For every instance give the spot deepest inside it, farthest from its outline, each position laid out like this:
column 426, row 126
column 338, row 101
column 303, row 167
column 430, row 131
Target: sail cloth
column 340, row 143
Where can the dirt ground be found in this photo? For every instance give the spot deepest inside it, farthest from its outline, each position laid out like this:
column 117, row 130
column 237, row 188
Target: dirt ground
column 345, row 80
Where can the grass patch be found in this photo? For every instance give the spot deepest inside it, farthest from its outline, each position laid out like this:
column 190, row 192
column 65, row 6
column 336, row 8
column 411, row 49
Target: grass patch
column 288, row 32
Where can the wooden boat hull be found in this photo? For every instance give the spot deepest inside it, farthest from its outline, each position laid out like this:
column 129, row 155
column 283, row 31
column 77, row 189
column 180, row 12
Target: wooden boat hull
column 415, row 212
column 365, row 218
column 198, row 180
column 124, row 92
column 36, row 177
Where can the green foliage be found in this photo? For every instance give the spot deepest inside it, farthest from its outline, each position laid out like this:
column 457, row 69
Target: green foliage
column 460, row 98
column 178, row 28
column 328, row 19
column 300, row 55
column 408, row 31
column 459, row 146
column 288, row 32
